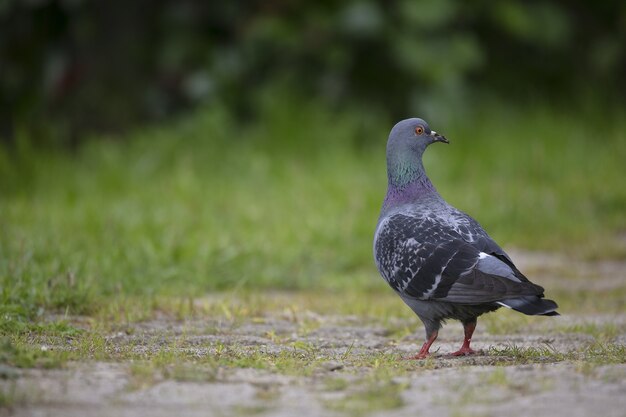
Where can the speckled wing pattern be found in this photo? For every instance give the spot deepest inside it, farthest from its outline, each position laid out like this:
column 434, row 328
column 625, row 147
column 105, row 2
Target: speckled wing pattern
column 429, row 257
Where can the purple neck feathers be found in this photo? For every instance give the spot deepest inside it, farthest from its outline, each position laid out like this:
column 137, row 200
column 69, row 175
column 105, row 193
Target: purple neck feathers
column 407, row 193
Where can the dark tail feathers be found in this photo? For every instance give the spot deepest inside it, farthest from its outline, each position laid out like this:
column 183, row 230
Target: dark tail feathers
column 531, row 305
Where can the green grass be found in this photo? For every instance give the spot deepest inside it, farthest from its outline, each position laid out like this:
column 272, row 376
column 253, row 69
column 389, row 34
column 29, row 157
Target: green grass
column 27, row 355
column 289, row 202
column 594, row 354
column 165, row 354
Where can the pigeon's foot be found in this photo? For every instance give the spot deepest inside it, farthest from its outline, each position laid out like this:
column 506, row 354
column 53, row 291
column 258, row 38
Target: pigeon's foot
column 469, row 327
column 423, row 353
column 464, row 351
column 417, row 357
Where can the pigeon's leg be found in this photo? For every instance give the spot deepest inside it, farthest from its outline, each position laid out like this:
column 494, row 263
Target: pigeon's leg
column 468, row 327
column 423, row 353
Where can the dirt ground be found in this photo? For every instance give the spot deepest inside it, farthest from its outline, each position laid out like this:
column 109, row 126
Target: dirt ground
column 486, row 384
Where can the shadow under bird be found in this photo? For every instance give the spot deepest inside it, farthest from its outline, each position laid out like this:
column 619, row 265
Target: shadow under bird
column 439, row 260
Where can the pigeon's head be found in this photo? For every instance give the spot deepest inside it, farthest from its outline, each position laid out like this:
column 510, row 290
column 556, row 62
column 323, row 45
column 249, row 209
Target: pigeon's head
column 413, row 135
column 407, row 142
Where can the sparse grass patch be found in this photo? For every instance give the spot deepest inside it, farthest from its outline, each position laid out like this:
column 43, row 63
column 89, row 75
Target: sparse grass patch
column 491, row 385
column 16, row 324
column 142, row 375
column 603, row 333
column 12, row 397
column 22, row 354
column 596, row 353
column 7, row 398
column 605, row 353
column 376, row 392
column 148, row 372
column 497, row 377
column 243, row 410
column 336, row 384
column 522, row 355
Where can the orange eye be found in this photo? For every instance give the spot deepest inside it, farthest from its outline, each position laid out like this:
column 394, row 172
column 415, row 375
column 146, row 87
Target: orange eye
column 419, row 130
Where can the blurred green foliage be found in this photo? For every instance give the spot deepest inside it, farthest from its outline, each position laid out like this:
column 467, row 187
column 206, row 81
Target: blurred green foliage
column 290, row 202
column 275, row 179
column 70, row 66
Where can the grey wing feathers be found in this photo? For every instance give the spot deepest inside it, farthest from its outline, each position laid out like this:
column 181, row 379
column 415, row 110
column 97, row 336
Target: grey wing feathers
column 400, row 256
column 423, row 258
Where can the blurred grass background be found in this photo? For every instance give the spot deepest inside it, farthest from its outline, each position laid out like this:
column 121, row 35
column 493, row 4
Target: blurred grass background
column 183, row 148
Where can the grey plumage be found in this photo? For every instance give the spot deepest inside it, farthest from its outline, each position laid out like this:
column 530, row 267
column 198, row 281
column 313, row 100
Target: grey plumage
column 439, row 260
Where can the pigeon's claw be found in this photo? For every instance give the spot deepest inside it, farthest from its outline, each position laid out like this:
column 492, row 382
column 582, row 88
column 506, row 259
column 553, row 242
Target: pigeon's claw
column 418, row 356
column 424, row 351
column 464, row 351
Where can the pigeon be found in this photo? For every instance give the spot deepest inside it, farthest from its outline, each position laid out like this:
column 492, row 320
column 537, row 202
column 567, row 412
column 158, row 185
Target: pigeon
column 439, row 260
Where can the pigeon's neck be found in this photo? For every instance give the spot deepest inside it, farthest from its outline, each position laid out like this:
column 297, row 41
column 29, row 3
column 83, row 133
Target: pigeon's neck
column 407, row 183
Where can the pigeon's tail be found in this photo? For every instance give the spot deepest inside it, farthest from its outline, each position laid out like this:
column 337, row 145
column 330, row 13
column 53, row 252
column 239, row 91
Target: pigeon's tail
column 531, row 305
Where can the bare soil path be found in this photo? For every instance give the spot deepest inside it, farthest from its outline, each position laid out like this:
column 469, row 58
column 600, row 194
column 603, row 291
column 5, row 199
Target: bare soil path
column 327, row 365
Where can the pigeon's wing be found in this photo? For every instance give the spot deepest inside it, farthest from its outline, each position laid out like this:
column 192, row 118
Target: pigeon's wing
column 425, row 258
column 473, row 233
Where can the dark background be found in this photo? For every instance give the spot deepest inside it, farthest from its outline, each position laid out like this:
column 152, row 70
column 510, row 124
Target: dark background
column 71, row 67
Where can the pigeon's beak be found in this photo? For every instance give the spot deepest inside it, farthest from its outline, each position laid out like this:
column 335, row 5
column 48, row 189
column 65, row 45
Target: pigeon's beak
column 438, row 138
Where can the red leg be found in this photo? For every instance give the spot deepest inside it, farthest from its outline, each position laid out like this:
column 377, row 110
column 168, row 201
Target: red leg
column 423, row 353
column 469, row 328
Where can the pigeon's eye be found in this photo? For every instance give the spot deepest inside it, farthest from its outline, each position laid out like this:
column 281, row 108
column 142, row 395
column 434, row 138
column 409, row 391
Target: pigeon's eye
column 419, row 130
